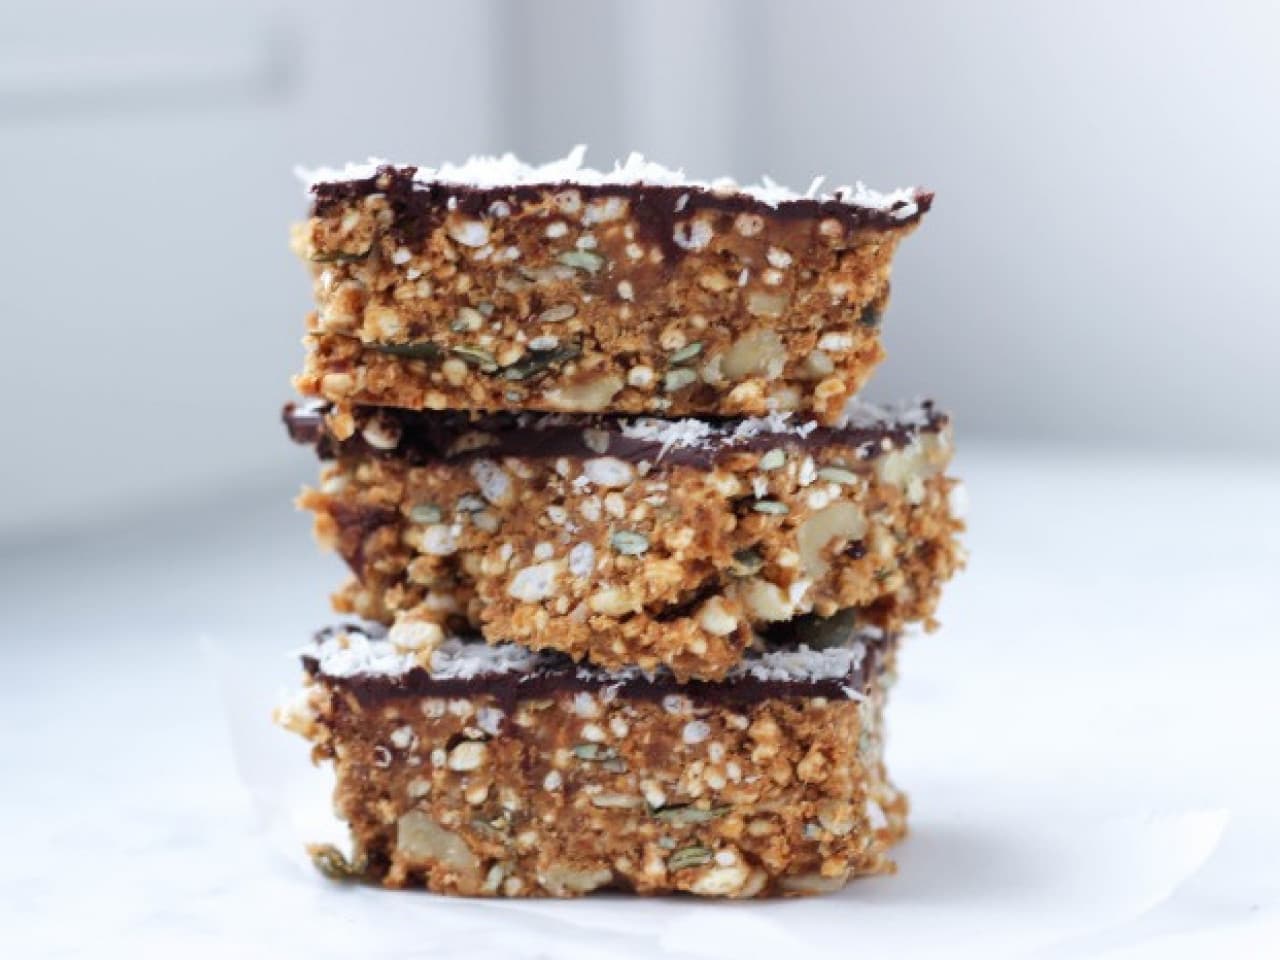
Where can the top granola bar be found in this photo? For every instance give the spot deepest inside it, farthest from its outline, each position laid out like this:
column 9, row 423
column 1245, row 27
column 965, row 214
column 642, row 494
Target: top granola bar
column 498, row 286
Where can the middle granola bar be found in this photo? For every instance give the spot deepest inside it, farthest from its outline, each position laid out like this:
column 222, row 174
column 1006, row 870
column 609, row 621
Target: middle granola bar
column 633, row 542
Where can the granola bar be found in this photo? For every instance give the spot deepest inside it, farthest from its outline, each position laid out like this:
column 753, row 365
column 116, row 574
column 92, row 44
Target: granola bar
column 499, row 286
column 633, row 542
column 501, row 772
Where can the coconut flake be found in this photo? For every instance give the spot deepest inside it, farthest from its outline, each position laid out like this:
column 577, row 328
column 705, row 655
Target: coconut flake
column 487, row 172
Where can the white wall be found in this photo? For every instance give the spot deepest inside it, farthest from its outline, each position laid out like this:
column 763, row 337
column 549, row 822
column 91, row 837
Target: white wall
column 1100, row 267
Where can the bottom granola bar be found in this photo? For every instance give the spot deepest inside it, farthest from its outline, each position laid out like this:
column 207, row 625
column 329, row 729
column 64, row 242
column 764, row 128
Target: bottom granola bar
column 507, row 772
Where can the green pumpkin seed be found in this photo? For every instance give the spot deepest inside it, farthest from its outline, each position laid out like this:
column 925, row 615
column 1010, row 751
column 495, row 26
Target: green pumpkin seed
column 838, row 475
column 870, row 317
column 688, row 857
column 537, row 362
column 684, row 814
column 331, row 861
column 821, row 633
column 773, row 460
column 477, row 357
column 746, row 563
column 629, row 543
column 772, row 507
column 678, row 379
column 594, row 752
column 340, row 256
column 685, row 354
column 582, row 260
column 426, row 513
column 558, row 313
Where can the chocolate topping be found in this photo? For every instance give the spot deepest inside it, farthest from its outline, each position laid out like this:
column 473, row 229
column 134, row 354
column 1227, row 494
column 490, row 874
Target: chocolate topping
column 548, row 673
column 419, row 207
column 430, row 436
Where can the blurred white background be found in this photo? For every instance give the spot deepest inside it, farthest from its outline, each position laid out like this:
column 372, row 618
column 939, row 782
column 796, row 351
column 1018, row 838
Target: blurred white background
column 1099, row 271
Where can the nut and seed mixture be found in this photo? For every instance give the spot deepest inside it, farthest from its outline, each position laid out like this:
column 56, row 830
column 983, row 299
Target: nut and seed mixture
column 501, row 772
column 560, row 289
column 634, row 543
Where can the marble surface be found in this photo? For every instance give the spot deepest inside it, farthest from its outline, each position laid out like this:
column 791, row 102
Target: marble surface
column 1090, row 743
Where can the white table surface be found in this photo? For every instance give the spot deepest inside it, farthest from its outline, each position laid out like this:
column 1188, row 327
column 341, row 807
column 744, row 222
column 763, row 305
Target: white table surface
column 1112, row 653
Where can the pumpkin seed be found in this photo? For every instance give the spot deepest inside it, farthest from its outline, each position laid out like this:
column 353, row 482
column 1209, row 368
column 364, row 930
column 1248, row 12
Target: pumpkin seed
column 678, row 379
column 477, row 357
column 870, row 317
column 838, row 475
column 558, row 313
column 820, row 633
column 685, row 354
column 537, row 362
column 581, row 260
column 629, row 543
column 773, row 460
column 772, row 507
column 688, row 857
column 331, row 861
column 340, row 256
column 683, row 814
column 426, row 513
column 746, row 563
column 594, row 752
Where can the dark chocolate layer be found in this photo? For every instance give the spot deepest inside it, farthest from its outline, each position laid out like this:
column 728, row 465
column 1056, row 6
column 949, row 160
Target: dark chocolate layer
column 429, row 436
column 419, row 208
column 553, row 673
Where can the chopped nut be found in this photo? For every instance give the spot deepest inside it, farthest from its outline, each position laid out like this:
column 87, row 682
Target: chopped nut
column 562, row 881
column 470, row 233
column 714, row 618
column 419, row 838
column 608, row 471
column 591, row 396
column 840, row 520
column 467, row 755
column 720, row 881
column 813, row 883
column 759, row 353
column 534, row 583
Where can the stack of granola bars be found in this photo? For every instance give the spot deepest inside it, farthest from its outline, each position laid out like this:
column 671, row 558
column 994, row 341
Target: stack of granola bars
column 629, row 560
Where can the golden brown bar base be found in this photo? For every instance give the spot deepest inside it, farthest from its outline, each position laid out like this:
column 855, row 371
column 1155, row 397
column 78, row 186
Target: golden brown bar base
column 632, row 298
column 494, row 786
column 573, row 534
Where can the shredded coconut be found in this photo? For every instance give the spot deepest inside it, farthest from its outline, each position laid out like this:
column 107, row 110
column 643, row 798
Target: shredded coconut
column 354, row 652
column 484, row 172
column 860, row 413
